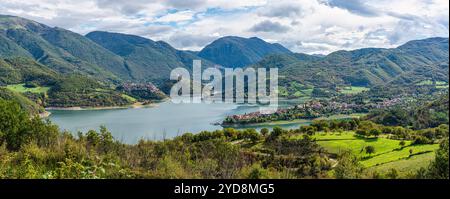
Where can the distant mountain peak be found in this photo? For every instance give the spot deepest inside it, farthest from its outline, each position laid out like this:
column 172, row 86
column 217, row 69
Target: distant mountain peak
column 233, row 51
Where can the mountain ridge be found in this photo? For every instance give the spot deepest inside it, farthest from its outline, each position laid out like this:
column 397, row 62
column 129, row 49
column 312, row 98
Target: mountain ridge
column 233, row 51
column 373, row 66
column 148, row 59
column 118, row 57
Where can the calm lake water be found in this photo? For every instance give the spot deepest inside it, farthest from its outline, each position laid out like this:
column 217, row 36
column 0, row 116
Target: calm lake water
column 154, row 123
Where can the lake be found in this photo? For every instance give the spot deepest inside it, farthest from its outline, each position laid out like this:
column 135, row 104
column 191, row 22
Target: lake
column 165, row 120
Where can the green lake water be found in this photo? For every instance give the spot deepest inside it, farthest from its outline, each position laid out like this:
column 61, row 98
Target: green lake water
column 166, row 120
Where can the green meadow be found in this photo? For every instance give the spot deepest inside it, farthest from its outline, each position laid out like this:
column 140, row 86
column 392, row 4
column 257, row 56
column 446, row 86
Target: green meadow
column 129, row 98
column 438, row 84
column 389, row 154
column 354, row 89
column 429, row 82
column 401, row 154
column 357, row 145
column 406, row 165
column 20, row 88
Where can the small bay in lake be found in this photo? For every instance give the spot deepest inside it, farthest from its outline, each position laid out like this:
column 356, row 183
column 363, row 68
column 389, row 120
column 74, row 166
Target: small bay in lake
column 165, row 120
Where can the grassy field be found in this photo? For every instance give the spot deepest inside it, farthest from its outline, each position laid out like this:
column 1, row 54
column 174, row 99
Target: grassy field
column 20, row 88
column 439, row 84
column 382, row 145
column 295, row 89
column 399, row 154
column 353, row 89
column 129, row 98
column 388, row 153
column 429, row 82
column 407, row 165
column 442, row 86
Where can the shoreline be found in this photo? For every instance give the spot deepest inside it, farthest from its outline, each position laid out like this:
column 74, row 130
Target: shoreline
column 44, row 114
column 273, row 123
column 79, row 108
column 136, row 105
column 289, row 122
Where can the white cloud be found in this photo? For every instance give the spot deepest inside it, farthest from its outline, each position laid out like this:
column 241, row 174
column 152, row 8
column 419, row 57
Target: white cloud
column 311, row 26
column 177, row 17
column 269, row 26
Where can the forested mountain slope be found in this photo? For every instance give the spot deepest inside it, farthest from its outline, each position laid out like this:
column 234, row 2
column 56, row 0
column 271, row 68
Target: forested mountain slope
column 411, row 62
column 144, row 58
column 239, row 52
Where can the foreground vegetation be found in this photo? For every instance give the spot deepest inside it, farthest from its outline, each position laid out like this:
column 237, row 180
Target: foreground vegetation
column 33, row 148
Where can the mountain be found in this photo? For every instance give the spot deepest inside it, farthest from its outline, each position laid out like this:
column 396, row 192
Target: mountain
column 105, row 56
column 22, row 78
column 281, row 60
column 22, row 70
column 61, row 50
column 144, row 58
column 412, row 62
column 239, row 52
column 47, row 56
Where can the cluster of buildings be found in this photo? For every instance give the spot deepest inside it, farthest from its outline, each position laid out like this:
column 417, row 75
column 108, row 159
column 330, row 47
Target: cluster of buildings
column 140, row 86
column 388, row 103
column 317, row 108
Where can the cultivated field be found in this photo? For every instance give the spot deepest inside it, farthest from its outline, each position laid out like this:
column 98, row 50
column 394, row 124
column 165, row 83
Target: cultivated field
column 20, row 88
column 389, row 154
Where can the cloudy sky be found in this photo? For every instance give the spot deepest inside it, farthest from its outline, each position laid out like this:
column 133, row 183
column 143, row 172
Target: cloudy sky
column 309, row 26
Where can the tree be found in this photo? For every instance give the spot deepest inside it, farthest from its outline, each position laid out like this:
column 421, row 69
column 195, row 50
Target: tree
column 439, row 168
column 321, row 125
column 387, row 130
column 252, row 135
column 392, row 174
column 348, row 166
column 310, row 130
column 422, row 140
column 375, row 132
column 17, row 128
column 402, row 143
column 411, row 152
column 106, row 138
column 230, row 133
column 257, row 172
column 13, row 124
column 370, row 150
column 361, row 132
column 93, row 138
column 276, row 132
column 264, row 132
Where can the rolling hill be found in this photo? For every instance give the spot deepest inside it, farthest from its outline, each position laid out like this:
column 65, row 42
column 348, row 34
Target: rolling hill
column 35, row 85
column 409, row 63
